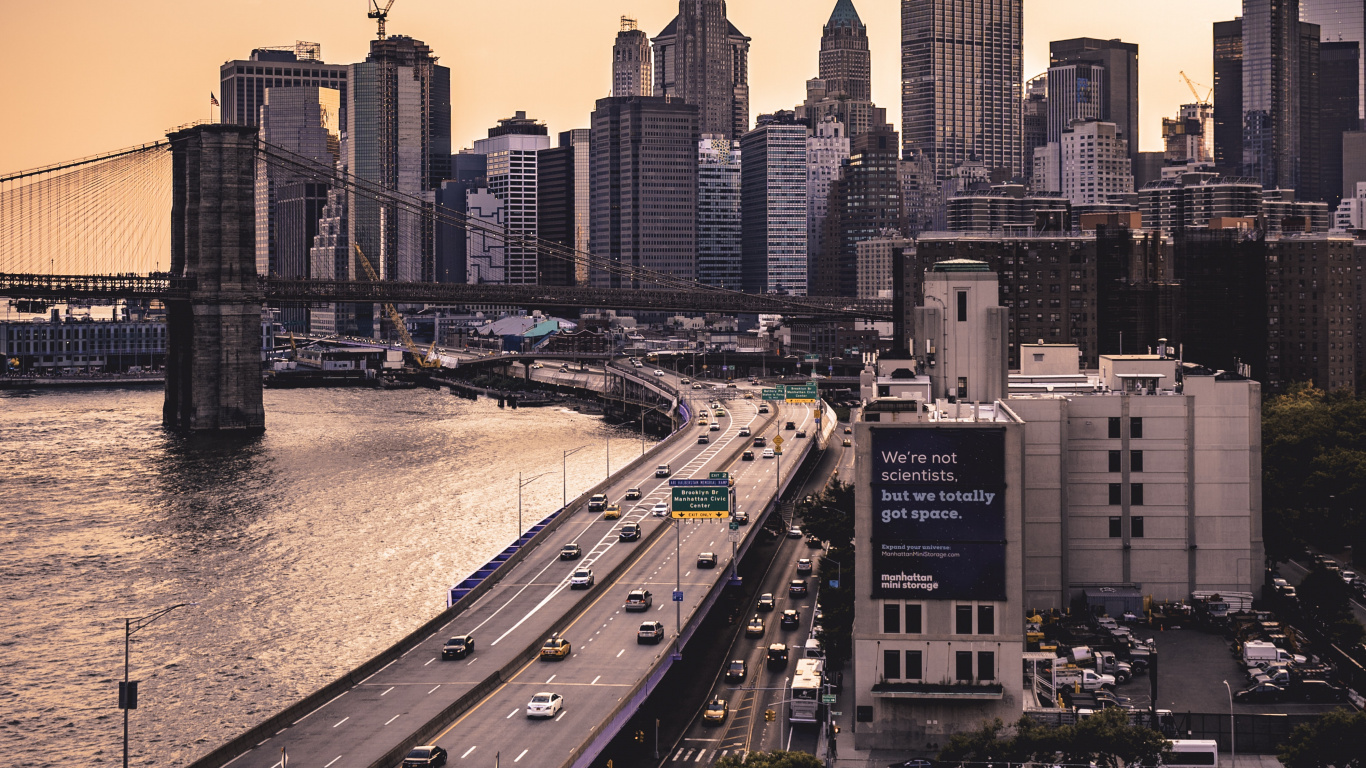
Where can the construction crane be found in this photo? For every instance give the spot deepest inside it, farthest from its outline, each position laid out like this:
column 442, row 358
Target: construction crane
column 427, row 360
column 1191, row 85
column 380, row 14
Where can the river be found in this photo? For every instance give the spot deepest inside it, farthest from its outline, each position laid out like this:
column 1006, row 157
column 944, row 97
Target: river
column 308, row 549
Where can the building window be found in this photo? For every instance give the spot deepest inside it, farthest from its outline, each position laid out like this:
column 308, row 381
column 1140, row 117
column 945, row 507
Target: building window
column 1114, row 495
column 963, row 662
column 891, row 665
column 1114, row 461
column 1114, row 528
column 1135, row 461
column 913, row 665
column 962, row 624
column 913, row 625
column 891, row 618
column 1114, row 427
column 986, row 665
column 1136, row 494
column 1136, row 527
column 986, row 619
column 962, row 306
column 962, row 387
column 1136, row 428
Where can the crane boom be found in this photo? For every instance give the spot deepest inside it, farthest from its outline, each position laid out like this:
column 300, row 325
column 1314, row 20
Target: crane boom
column 379, row 14
column 1191, row 85
column 423, row 360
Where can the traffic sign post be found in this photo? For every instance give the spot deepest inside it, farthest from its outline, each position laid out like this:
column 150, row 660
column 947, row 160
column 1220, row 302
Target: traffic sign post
column 827, row 698
column 801, row 393
column 711, row 502
column 778, row 393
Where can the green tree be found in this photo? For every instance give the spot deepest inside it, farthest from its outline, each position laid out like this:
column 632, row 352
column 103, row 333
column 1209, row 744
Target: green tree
column 830, row 517
column 1105, row 739
column 1325, row 596
column 990, row 741
column 1337, row 739
column 775, row 759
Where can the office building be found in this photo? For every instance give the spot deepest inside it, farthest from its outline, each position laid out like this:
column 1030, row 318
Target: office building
column 511, row 153
column 773, row 206
column 1341, row 21
column 243, row 83
column 485, row 238
column 1280, row 90
column 961, row 79
column 469, row 171
column 718, row 212
column 330, row 258
column 922, row 196
column 827, row 149
column 82, row 345
column 865, row 201
column 1094, row 163
column 1188, row 138
column 1312, row 308
column 1199, row 201
column 1118, row 76
column 1353, row 161
column 631, row 73
column 875, row 262
column 1034, row 121
column 1351, row 212
column 703, row 59
column 1007, row 208
column 643, row 172
column 1339, row 68
column 843, row 88
column 1078, row 94
column 563, row 197
column 1228, row 96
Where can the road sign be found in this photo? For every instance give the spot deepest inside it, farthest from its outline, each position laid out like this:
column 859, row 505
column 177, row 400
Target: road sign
column 801, row 393
column 813, row 358
column 778, row 440
column 735, row 525
column 678, row 595
column 702, row 503
column 827, row 698
column 834, row 583
column 719, row 476
column 710, row 482
column 773, row 394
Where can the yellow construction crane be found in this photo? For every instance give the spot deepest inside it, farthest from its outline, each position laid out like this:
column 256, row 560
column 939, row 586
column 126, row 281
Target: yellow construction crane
column 379, row 14
column 293, row 346
column 423, row 360
column 1191, row 85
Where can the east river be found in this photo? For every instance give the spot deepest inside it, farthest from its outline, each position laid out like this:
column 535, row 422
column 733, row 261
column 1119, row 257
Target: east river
column 307, row 549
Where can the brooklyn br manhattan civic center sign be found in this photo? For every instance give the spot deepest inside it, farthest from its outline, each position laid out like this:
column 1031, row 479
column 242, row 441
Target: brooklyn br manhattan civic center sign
column 938, row 503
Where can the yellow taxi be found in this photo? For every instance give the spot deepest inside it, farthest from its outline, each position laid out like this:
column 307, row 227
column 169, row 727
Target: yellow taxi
column 612, row 512
column 556, row 648
column 716, row 712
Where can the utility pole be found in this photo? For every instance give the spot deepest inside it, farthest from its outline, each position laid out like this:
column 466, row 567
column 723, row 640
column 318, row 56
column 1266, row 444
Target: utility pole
column 128, row 691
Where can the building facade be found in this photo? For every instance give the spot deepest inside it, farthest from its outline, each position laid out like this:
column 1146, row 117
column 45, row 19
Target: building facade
column 82, row 346
column 773, row 206
column 511, row 152
column 1339, row 68
column 718, row 212
column 843, row 88
column 562, row 208
column 1118, row 75
column 1228, row 96
column 631, row 72
column 1078, row 93
column 1189, row 137
column 1280, row 97
column 864, row 202
column 243, row 83
column 1341, row 21
column 875, row 263
column 703, row 59
column 827, row 150
column 1095, row 165
column 470, row 173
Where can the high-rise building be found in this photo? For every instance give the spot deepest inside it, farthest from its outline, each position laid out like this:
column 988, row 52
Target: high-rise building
column 718, row 212
column 1280, row 95
column 1228, row 96
column 1339, row 68
column 843, row 87
column 468, row 172
column 1341, row 21
column 1078, row 93
column 827, row 149
column 703, row 59
column 329, row 259
column 773, row 206
column 631, row 61
column 398, row 126
column 1120, row 77
column 485, row 244
column 1034, row 120
column 511, row 154
column 243, row 83
column 1188, row 137
column 562, row 208
column 864, row 203
column 643, row 175
column 961, row 80
column 1095, row 165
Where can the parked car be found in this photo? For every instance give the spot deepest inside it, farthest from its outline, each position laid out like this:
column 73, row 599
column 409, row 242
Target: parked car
column 1317, row 690
column 458, row 647
column 1261, row 692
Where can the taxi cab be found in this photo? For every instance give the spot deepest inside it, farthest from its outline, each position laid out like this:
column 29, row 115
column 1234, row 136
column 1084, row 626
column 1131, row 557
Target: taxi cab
column 716, row 712
column 555, row 649
column 612, row 512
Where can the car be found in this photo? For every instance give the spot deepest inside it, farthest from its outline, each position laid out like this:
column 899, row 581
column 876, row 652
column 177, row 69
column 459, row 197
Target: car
column 800, row 433
column 703, row 439
column 790, row 619
column 545, row 704
column 658, row 372
column 797, row 588
column 794, row 533
column 913, row 763
column 612, row 512
column 1349, row 577
column 720, row 413
column 696, row 386
column 556, row 648
column 747, row 456
column 706, row 560
column 731, row 385
column 744, row 432
column 598, row 502
column 638, row 600
column 660, row 509
column 847, row 442
column 581, row 579
column 1317, row 690
column 848, row 430
column 748, row 395
column 715, row 427
column 741, row 518
column 763, row 409
column 685, row 380
column 629, row 532
column 777, row 656
column 650, row 632
column 755, row 627
column 716, row 712
column 768, row 453
column 424, row 756
column 632, row 493
column 458, row 647
column 737, row 671
column 1259, row 693
column 813, row 542
column 804, row 565
column 766, row 602
column 570, row 552
column 790, row 425
column 760, row 441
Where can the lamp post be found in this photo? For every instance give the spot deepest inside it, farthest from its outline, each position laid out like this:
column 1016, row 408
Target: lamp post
column 128, row 698
column 564, row 464
column 1232, row 746
column 520, row 486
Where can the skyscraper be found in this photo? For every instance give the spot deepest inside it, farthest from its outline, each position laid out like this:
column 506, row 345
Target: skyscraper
column 961, row 79
column 1034, row 120
column 843, row 88
column 773, row 206
column 1341, row 21
column 562, row 207
column 718, row 212
column 631, row 61
column 1119, row 101
column 702, row 58
column 1078, row 94
column 865, row 202
column 243, row 83
column 1339, row 70
column 468, row 171
column 827, row 149
column 643, row 194
column 511, row 154
column 1279, row 63
column 1094, row 163
column 1228, row 96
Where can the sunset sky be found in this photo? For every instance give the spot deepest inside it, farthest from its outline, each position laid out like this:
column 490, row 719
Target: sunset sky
column 87, row 76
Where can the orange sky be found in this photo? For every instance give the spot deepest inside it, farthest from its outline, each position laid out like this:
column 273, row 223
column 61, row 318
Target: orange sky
column 86, row 76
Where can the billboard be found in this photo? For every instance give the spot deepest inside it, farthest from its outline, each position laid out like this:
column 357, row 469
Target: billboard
column 938, row 513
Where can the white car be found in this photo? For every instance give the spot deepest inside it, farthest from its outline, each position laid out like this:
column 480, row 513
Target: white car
column 660, row 509
column 658, row 372
column 804, row 565
column 545, row 704
column 768, row 453
column 582, row 579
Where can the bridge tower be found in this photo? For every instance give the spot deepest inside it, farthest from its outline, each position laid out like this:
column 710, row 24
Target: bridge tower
column 213, row 357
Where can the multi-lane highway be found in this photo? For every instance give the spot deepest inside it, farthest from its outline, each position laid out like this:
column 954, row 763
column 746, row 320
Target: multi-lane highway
column 368, row 720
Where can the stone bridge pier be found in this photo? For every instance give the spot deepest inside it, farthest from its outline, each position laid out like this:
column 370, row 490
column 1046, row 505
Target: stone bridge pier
column 213, row 355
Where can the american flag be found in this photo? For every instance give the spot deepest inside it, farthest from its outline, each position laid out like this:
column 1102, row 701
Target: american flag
column 213, row 100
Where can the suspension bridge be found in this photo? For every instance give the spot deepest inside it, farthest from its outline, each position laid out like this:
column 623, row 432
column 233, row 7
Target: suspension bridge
column 95, row 228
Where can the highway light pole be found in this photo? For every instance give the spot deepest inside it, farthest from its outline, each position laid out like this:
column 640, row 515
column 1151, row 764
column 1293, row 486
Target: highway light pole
column 520, row 486
column 1232, row 747
column 564, row 466
column 128, row 696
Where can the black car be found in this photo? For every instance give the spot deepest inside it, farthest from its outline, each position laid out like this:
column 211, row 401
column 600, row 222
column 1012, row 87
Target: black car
column 777, row 656
column 797, row 588
column 790, row 619
column 424, row 756
column 570, row 552
column 706, row 560
column 765, row 602
column 800, row 433
column 741, row 518
column 814, row 542
column 747, row 456
column 736, row 672
column 629, row 532
column 458, row 647
column 790, row 425
column 1260, row 692
column 1318, row 690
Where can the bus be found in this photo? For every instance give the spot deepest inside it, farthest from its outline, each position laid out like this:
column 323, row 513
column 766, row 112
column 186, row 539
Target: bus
column 805, row 695
column 1193, row 753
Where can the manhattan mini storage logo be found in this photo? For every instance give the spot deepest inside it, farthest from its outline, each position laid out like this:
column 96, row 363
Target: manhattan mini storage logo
column 909, row 581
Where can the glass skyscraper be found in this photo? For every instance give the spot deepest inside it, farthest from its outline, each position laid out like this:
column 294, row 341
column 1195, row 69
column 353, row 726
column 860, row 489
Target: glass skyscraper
column 718, row 212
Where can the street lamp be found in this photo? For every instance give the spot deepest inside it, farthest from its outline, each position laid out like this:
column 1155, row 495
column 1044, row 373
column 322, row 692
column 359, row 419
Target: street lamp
column 128, row 696
column 564, row 463
column 1232, row 747
column 520, row 486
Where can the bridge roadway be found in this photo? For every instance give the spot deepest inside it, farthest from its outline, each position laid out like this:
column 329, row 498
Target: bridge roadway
column 366, row 722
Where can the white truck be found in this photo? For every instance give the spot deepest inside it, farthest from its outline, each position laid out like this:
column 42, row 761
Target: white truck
column 1084, row 679
column 1260, row 650
column 1221, row 604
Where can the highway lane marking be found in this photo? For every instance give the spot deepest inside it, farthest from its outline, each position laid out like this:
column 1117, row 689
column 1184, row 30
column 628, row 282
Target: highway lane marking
column 552, row 677
column 557, row 717
column 429, row 661
column 310, row 714
column 390, row 689
column 376, row 672
column 344, row 719
column 335, row 759
column 513, row 712
column 429, row 693
column 595, row 680
column 462, row 757
column 392, row 719
column 623, row 650
column 471, row 662
column 519, row 757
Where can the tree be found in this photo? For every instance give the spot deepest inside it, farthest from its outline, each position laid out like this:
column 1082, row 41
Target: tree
column 1105, row 739
column 1326, row 597
column 830, row 518
column 1334, row 740
column 990, row 741
column 775, row 759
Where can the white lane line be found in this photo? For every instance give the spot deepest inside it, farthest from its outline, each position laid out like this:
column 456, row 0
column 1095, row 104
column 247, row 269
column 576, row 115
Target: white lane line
column 392, row 719
column 390, row 689
column 310, row 714
column 623, row 650
column 471, row 662
column 510, row 714
column 376, row 672
column 467, row 753
column 557, row 718
column 678, row 754
column 429, row 693
column 335, row 759
column 344, row 719
column 660, row 608
column 700, row 753
column 429, row 661
column 595, row 680
column 552, row 677
column 519, row 757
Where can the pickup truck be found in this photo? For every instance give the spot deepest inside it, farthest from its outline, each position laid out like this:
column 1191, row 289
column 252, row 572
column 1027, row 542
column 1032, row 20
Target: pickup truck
column 597, row 503
column 1089, row 680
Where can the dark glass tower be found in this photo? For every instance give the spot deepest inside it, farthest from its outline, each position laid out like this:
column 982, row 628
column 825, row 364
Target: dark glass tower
column 702, row 58
column 1228, row 96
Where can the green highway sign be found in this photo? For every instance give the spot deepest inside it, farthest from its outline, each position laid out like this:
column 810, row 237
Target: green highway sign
column 802, row 393
column 735, row 525
column 773, row 394
column 827, row 698
column 700, row 502
column 813, row 358
column 718, row 476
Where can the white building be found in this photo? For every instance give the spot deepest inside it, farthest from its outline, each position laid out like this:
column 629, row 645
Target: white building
column 773, row 208
column 485, row 251
column 1094, row 163
column 1351, row 212
column 510, row 152
column 826, row 149
column 875, row 262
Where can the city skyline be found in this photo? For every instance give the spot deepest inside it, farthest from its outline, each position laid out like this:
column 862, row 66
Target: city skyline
column 487, row 84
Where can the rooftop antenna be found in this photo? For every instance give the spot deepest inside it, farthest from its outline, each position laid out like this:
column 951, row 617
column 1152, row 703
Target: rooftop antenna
column 380, row 14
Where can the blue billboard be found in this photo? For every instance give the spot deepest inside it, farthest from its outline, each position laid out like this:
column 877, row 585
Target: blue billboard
column 946, row 570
